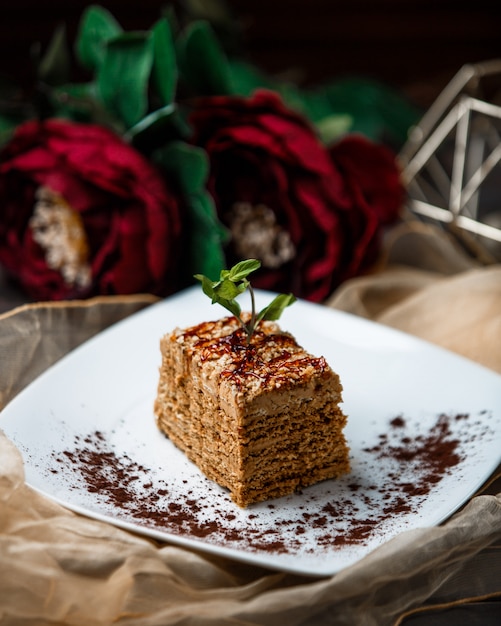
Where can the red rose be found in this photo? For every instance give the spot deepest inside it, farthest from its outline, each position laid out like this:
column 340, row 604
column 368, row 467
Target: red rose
column 83, row 213
column 280, row 193
column 372, row 177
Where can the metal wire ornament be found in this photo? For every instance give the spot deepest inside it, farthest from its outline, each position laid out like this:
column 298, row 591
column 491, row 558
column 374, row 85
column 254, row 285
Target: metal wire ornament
column 451, row 162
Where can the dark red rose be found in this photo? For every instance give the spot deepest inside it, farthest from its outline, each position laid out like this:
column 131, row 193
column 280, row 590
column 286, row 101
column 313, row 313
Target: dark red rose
column 83, row 213
column 282, row 196
column 371, row 175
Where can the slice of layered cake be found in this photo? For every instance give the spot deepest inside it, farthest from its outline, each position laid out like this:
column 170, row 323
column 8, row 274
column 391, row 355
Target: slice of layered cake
column 257, row 414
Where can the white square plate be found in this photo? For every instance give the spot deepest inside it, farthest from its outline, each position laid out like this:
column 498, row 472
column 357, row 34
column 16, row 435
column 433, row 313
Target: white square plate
column 424, row 429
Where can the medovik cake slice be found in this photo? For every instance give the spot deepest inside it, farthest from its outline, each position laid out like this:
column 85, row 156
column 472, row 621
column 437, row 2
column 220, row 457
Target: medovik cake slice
column 262, row 419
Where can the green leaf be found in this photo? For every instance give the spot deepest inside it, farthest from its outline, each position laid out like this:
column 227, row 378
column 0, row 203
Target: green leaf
column 202, row 60
column 189, row 166
column 207, row 286
column 276, row 307
column 164, row 64
column 220, row 294
column 158, row 128
column 124, row 75
column 207, row 236
column 96, row 28
column 151, row 120
column 228, row 290
column 241, row 270
column 54, row 67
column 231, row 284
column 230, row 305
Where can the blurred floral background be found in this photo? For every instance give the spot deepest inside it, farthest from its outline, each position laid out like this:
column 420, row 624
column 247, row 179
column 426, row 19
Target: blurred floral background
column 133, row 159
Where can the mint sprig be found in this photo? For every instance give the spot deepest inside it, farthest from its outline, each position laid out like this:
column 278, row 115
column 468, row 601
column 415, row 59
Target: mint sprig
column 231, row 284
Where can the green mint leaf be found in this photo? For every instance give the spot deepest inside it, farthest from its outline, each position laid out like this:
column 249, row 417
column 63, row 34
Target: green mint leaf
column 220, row 293
column 276, row 307
column 228, row 290
column 232, row 306
column 241, row 270
column 231, row 284
column 207, row 286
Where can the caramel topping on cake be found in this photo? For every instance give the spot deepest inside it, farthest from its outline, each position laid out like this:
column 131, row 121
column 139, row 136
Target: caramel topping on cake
column 271, row 359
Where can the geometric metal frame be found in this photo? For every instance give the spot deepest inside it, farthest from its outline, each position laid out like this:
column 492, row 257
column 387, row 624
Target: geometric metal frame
column 449, row 155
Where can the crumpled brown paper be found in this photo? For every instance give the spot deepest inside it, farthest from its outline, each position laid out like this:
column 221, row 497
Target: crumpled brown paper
column 58, row 568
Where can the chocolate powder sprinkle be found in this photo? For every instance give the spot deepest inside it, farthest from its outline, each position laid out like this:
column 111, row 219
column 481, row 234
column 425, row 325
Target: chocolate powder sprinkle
column 350, row 512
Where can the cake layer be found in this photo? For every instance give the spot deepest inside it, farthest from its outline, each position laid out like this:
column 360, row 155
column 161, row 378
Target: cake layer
column 262, row 419
column 284, row 474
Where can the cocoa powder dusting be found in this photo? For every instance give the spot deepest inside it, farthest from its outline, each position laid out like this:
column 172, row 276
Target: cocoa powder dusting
column 346, row 512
